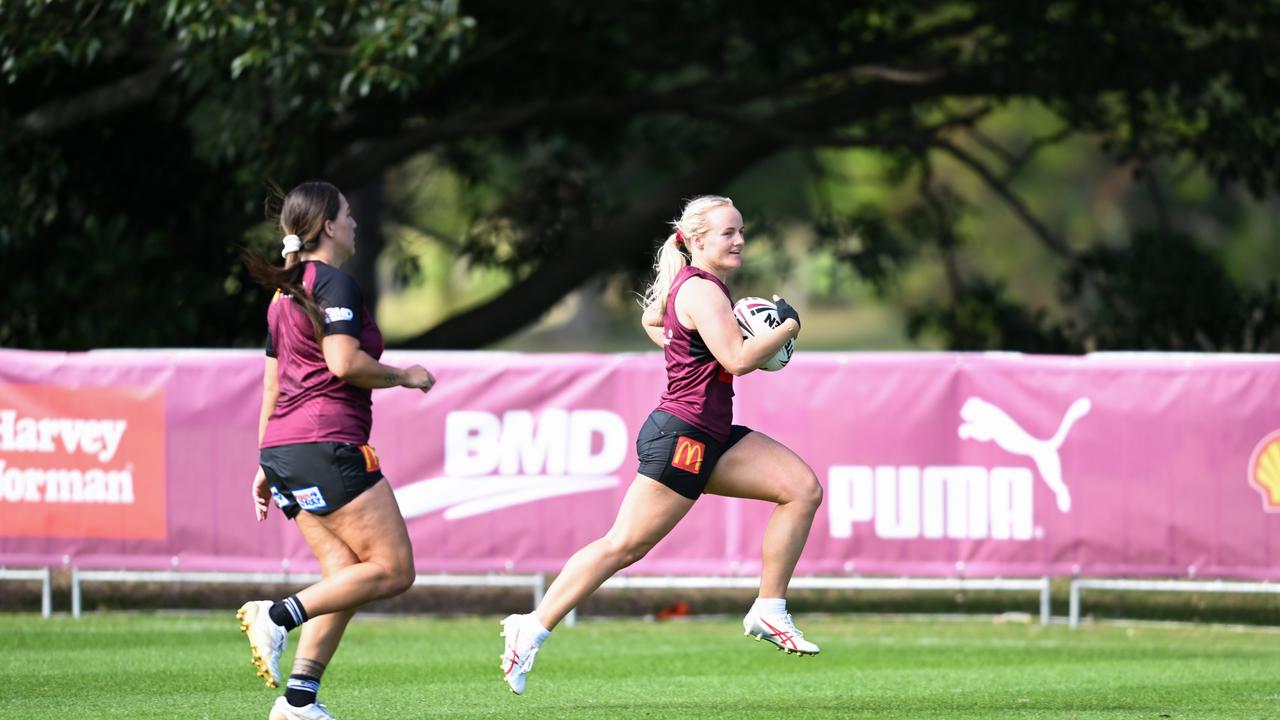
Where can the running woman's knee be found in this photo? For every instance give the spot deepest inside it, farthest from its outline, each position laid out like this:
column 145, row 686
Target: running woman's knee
column 804, row 490
column 814, row 490
column 400, row 576
column 627, row 551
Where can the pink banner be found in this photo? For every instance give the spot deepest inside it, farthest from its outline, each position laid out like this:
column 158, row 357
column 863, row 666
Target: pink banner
column 933, row 464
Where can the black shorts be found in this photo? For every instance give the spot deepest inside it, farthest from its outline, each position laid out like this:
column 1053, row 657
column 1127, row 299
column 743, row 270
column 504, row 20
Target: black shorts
column 679, row 455
column 318, row 477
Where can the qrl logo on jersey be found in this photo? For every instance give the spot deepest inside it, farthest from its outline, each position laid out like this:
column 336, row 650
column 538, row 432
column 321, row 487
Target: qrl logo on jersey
column 1264, row 471
column 688, row 455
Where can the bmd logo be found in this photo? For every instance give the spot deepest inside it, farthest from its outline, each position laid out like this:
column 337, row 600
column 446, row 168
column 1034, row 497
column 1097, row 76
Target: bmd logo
column 963, row 502
column 497, row 461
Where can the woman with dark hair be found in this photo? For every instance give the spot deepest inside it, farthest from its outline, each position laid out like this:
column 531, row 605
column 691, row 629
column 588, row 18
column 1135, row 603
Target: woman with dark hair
column 322, row 362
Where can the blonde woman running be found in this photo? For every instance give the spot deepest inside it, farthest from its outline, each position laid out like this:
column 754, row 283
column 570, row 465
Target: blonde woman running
column 689, row 446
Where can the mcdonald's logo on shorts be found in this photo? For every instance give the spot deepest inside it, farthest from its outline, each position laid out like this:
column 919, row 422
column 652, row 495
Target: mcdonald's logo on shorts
column 370, row 458
column 688, row 455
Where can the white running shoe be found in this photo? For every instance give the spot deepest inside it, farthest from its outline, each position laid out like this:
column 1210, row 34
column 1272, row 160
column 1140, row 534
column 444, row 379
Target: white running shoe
column 517, row 652
column 282, row 710
column 779, row 630
column 267, row 640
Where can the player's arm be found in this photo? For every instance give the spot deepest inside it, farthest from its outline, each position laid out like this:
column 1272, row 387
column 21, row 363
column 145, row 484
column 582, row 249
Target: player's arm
column 651, row 321
column 712, row 316
column 260, row 490
column 270, row 392
column 351, row 365
column 339, row 297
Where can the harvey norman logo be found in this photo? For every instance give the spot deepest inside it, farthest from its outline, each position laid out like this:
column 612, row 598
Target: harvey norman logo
column 81, row 462
column 959, row 502
column 497, row 461
column 95, row 438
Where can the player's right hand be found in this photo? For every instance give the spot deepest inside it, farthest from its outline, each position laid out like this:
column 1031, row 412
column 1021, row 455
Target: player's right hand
column 261, row 494
column 418, row 377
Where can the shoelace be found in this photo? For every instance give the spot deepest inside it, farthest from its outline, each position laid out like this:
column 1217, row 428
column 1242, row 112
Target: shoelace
column 527, row 661
column 523, row 662
column 791, row 626
column 786, row 624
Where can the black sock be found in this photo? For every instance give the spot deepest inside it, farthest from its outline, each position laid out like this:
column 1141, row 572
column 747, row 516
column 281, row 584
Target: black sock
column 288, row 613
column 301, row 690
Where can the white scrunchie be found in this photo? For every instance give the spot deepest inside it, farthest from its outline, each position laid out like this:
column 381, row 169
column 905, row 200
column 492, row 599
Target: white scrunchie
column 292, row 243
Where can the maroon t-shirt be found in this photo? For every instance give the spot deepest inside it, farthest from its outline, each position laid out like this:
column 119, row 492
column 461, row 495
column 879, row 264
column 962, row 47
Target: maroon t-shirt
column 699, row 390
column 314, row 405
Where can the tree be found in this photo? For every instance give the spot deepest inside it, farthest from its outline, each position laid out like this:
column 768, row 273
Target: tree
column 144, row 132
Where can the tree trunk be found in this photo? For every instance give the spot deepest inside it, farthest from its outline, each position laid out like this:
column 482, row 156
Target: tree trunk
column 367, row 207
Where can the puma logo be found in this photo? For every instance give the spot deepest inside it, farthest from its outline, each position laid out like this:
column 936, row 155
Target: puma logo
column 985, row 422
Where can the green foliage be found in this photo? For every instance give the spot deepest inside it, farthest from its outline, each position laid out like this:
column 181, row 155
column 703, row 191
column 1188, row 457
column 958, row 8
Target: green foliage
column 136, row 137
column 1165, row 291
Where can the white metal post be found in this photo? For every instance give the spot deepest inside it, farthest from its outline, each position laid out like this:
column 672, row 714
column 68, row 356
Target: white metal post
column 75, row 593
column 1074, row 611
column 1045, row 592
column 46, row 593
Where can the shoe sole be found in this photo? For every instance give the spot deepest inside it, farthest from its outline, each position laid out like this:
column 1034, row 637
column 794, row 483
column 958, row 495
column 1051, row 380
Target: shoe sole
column 503, row 658
column 257, row 661
column 785, row 651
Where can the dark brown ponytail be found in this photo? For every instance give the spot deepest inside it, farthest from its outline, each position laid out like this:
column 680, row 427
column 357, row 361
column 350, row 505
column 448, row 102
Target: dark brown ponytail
column 303, row 213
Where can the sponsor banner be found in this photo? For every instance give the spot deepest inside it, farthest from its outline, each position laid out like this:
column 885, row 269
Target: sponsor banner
column 82, row 462
column 932, row 464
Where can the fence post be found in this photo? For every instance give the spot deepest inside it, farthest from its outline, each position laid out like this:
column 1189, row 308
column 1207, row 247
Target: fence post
column 46, row 593
column 75, row 593
column 539, row 588
column 1045, row 592
column 1074, row 619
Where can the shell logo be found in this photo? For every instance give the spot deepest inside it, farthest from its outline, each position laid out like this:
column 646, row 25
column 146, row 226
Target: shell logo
column 1264, row 471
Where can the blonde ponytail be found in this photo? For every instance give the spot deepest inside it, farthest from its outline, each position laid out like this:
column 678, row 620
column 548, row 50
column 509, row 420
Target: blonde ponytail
column 669, row 262
column 673, row 256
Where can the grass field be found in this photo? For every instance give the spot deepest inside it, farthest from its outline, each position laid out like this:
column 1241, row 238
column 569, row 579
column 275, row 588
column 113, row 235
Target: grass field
column 123, row 665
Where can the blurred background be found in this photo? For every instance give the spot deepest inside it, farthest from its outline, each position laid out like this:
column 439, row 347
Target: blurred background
column 1043, row 177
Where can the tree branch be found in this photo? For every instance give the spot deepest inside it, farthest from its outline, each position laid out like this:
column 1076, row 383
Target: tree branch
column 132, row 90
column 1055, row 244
column 947, row 240
column 587, row 254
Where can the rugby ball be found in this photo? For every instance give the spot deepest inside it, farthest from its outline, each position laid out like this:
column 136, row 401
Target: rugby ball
column 757, row 315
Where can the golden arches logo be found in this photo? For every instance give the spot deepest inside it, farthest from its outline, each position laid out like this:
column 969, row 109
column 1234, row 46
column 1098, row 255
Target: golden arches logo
column 371, row 463
column 1264, row 471
column 688, row 455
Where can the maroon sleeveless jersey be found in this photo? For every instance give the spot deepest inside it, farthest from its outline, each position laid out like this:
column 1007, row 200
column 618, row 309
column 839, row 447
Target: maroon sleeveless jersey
column 699, row 390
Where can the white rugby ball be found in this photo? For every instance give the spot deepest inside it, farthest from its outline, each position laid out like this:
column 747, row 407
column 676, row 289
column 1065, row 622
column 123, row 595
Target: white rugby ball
column 757, row 315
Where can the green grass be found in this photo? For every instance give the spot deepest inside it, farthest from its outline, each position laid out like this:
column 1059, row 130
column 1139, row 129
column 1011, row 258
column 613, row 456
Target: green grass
column 196, row 666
